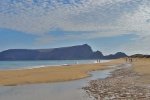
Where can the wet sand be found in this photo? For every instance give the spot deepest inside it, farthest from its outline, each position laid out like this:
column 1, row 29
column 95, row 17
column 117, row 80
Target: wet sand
column 51, row 74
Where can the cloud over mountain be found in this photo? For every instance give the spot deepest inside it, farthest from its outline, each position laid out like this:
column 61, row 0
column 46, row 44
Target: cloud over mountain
column 89, row 18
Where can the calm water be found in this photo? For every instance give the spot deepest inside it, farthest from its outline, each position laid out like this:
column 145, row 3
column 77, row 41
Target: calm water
column 41, row 63
column 71, row 90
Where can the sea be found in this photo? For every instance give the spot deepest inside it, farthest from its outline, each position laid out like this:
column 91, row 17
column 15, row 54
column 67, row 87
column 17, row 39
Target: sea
column 13, row 65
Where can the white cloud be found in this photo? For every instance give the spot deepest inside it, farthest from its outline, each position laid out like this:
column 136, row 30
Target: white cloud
column 102, row 18
column 45, row 15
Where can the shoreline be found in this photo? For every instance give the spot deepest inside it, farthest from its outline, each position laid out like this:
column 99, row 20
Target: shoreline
column 68, row 90
column 124, row 83
column 51, row 74
column 58, row 65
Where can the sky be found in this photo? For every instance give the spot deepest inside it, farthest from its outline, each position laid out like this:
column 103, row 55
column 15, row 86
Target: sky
column 106, row 25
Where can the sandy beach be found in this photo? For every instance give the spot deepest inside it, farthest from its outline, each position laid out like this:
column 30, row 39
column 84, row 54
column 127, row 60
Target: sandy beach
column 125, row 81
column 51, row 74
column 128, row 82
column 142, row 67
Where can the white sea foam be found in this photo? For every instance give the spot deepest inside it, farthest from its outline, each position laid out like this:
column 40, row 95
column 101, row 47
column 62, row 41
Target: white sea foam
column 18, row 65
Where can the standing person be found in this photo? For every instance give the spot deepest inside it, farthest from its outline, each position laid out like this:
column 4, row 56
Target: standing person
column 126, row 59
column 99, row 61
column 131, row 60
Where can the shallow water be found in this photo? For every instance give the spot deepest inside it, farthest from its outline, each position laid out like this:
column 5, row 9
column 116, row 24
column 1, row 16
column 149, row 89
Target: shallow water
column 41, row 63
column 70, row 90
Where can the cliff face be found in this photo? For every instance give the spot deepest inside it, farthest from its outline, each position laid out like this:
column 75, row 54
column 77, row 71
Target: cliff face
column 19, row 54
column 64, row 53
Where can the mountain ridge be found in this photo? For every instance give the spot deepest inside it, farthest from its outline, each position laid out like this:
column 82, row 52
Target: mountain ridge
column 63, row 53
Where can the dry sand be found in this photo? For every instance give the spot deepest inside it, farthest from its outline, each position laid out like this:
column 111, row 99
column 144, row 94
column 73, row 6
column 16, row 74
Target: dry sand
column 51, row 74
column 142, row 67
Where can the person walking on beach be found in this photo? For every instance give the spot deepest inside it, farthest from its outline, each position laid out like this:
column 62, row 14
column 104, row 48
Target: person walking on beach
column 126, row 59
column 131, row 60
column 99, row 61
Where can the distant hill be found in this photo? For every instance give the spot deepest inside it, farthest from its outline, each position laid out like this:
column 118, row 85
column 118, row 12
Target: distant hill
column 117, row 55
column 63, row 53
column 140, row 56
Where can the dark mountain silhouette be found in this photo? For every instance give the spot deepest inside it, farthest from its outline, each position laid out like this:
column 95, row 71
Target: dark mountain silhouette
column 115, row 56
column 97, row 55
column 140, row 56
column 63, row 53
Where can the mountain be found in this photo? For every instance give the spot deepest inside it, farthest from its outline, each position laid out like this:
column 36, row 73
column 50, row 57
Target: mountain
column 115, row 56
column 63, row 53
column 97, row 55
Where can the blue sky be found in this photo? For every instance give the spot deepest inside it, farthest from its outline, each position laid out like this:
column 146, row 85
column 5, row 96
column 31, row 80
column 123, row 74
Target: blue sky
column 107, row 25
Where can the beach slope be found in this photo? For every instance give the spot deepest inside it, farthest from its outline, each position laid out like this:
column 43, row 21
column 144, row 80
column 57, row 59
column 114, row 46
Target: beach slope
column 51, row 74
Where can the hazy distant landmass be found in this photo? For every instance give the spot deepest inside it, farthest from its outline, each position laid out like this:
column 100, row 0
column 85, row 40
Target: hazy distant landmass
column 63, row 53
column 140, row 56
